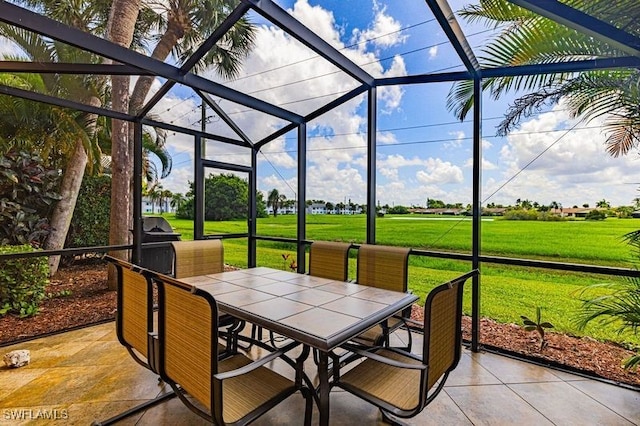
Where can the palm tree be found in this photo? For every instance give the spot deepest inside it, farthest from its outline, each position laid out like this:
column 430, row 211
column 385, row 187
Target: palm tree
column 185, row 24
column 528, row 38
column 82, row 148
column 176, row 200
column 273, row 199
column 603, row 204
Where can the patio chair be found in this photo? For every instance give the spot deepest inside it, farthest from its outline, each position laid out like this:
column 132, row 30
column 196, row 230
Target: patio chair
column 235, row 390
column 384, row 267
column 134, row 325
column 329, row 259
column 202, row 257
column 400, row 383
column 198, row 257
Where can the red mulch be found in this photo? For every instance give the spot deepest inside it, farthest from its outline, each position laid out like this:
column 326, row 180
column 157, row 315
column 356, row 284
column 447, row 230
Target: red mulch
column 91, row 302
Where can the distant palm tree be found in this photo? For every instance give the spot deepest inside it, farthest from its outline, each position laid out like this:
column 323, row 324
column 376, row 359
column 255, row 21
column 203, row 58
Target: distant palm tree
column 528, row 38
column 176, row 200
column 273, row 200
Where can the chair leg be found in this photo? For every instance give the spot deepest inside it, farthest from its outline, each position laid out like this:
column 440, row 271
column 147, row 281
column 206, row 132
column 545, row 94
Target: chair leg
column 391, row 419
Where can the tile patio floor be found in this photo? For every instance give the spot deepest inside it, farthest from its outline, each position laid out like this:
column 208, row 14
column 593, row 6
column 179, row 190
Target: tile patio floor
column 86, row 375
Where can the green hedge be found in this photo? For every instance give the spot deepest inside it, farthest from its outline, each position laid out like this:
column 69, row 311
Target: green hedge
column 90, row 224
column 22, row 282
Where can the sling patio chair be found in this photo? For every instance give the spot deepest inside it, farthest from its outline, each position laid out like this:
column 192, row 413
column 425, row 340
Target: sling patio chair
column 135, row 325
column 400, row 383
column 384, row 267
column 203, row 257
column 197, row 257
column 329, row 259
column 231, row 391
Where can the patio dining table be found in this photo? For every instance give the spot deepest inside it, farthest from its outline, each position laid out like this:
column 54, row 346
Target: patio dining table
column 316, row 312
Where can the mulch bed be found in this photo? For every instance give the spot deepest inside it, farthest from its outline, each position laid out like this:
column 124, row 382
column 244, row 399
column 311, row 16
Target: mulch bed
column 91, row 302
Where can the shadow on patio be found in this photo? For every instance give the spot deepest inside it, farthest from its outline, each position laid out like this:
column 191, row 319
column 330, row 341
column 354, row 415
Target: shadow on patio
column 85, row 375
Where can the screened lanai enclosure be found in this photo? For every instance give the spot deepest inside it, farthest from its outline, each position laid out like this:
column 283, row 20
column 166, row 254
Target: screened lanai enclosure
column 237, row 127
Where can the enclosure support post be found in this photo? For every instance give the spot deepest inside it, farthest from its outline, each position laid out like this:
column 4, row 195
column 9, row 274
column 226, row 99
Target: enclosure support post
column 302, row 195
column 372, row 113
column 253, row 211
column 477, row 210
column 136, row 256
column 198, row 189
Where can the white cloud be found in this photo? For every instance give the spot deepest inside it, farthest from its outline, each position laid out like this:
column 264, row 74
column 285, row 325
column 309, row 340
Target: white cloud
column 384, row 31
column 433, row 52
column 551, row 158
column 439, row 172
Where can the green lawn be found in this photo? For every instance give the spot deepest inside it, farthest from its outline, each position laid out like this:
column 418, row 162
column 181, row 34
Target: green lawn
column 507, row 292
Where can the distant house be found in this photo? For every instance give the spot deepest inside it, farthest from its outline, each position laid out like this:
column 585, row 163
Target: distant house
column 636, row 214
column 446, row 211
column 283, row 210
column 317, row 208
column 572, row 212
column 151, row 206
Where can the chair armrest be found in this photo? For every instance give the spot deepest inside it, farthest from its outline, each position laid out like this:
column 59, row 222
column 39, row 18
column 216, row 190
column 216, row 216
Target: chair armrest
column 255, row 364
column 383, row 359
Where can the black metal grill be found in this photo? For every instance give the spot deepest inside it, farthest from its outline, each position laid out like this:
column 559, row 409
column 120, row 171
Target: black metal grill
column 157, row 258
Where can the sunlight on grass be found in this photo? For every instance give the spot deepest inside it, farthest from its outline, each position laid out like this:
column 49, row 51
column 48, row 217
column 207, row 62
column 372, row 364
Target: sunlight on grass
column 507, row 291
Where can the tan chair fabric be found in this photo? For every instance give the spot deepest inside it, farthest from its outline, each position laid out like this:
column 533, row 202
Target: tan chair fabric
column 134, row 310
column 329, row 259
column 397, row 386
column 383, row 267
column 440, row 336
column 198, row 257
column 187, row 342
column 401, row 390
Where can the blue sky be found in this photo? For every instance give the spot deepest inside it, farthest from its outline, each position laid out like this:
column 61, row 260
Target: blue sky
column 423, row 152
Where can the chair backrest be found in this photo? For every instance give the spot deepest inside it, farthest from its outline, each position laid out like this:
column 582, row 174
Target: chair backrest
column 383, row 267
column 198, row 257
column 442, row 328
column 329, row 259
column 134, row 316
column 188, row 335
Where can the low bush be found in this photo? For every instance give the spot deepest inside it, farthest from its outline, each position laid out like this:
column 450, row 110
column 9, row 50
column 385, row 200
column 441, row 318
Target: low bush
column 22, row 282
column 521, row 214
column 27, row 196
column 596, row 215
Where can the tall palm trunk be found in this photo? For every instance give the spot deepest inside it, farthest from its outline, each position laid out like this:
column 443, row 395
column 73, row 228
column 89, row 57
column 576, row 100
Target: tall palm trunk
column 63, row 211
column 69, row 190
column 121, row 25
column 162, row 50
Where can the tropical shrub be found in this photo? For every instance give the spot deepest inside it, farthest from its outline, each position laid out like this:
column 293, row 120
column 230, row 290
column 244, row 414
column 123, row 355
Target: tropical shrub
column 596, row 215
column 521, row 214
column 22, row 281
column 27, row 196
column 90, row 223
column 615, row 303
